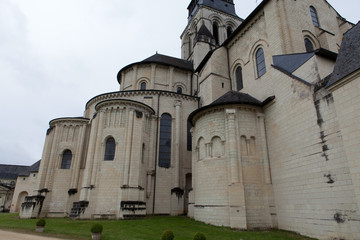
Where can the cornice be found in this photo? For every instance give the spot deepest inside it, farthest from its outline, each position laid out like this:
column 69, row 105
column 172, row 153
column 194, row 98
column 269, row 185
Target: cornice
column 349, row 78
column 132, row 104
column 124, row 94
column 245, row 29
column 74, row 121
column 221, row 108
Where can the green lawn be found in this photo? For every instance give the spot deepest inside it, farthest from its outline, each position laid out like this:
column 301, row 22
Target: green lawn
column 149, row 228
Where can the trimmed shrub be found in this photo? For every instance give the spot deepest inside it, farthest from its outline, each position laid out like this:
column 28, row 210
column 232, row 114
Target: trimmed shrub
column 167, row 235
column 199, row 236
column 41, row 222
column 97, row 228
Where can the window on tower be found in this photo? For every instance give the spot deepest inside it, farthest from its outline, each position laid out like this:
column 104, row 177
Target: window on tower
column 229, row 31
column 216, row 32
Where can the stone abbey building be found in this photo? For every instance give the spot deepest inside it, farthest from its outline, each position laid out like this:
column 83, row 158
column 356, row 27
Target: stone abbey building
column 256, row 126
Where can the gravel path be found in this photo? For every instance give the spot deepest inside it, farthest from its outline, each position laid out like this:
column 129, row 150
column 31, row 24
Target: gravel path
column 5, row 235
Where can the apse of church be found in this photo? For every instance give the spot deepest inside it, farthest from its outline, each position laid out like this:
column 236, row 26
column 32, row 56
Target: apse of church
column 252, row 128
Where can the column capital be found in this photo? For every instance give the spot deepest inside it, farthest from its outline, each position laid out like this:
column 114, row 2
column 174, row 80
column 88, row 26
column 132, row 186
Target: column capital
column 230, row 113
column 177, row 103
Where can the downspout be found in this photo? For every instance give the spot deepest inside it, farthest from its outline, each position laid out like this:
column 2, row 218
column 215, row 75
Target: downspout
column 229, row 71
column 156, row 150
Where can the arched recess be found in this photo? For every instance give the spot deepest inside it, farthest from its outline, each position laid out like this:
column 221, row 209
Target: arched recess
column 252, row 55
column 234, row 67
column 201, row 148
column 217, row 147
column 308, row 35
column 20, row 200
column 181, row 85
column 110, row 148
column 66, row 159
column 230, row 27
column 140, row 83
column 217, row 24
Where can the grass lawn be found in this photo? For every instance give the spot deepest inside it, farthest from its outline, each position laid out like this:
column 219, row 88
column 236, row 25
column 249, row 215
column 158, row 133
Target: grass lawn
column 149, row 228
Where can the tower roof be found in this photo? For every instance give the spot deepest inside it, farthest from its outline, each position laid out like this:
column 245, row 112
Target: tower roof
column 226, row 6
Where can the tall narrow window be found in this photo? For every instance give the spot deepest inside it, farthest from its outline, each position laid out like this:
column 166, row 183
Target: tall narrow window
column 229, row 31
column 66, row 159
column 216, row 32
column 143, row 86
column 165, row 141
column 109, row 149
column 260, row 62
column 314, row 17
column 308, row 45
column 239, row 79
column 189, row 138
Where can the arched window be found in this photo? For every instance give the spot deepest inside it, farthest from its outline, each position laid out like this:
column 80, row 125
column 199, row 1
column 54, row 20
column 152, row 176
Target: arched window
column 109, row 149
column 229, row 31
column 239, row 79
column 165, row 141
column 143, row 86
column 314, row 17
column 216, row 32
column 66, row 159
column 260, row 62
column 308, row 45
column 179, row 90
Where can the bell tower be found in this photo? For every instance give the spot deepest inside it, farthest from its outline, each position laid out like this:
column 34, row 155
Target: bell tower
column 210, row 23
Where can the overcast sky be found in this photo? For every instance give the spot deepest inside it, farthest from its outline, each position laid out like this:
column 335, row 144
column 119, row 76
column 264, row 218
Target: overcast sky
column 57, row 54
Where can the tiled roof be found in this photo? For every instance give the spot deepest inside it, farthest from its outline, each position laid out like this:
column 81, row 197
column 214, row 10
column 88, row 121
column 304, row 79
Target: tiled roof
column 231, row 97
column 234, row 97
column 348, row 60
column 13, row 171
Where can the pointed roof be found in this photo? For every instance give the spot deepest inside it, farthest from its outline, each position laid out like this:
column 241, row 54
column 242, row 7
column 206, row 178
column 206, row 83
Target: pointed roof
column 204, row 31
column 161, row 59
column 171, row 61
column 229, row 98
column 348, row 60
column 225, row 6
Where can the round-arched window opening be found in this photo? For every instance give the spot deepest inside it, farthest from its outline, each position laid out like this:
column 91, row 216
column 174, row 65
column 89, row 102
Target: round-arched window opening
column 143, row 86
column 179, row 90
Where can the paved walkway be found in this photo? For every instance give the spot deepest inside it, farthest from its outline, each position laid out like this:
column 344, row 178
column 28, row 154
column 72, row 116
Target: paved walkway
column 5, row 235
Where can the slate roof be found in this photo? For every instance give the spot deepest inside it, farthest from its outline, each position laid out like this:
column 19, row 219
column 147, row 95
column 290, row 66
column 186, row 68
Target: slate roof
column 234, row 97
column 31, row 169
column 204, row 31
column 221, row 5
column 348, row 60
column 291, row 62
column 11, row 172
column 164, row 60
column 231, row 97
column 171, row 61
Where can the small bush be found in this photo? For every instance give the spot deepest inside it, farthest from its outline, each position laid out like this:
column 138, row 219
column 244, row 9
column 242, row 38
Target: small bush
column 97, row 228
column 41, row 222
column 199, row 236
column 167, row 235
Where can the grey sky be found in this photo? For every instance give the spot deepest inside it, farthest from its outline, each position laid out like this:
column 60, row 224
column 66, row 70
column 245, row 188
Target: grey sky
column 57, row 54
